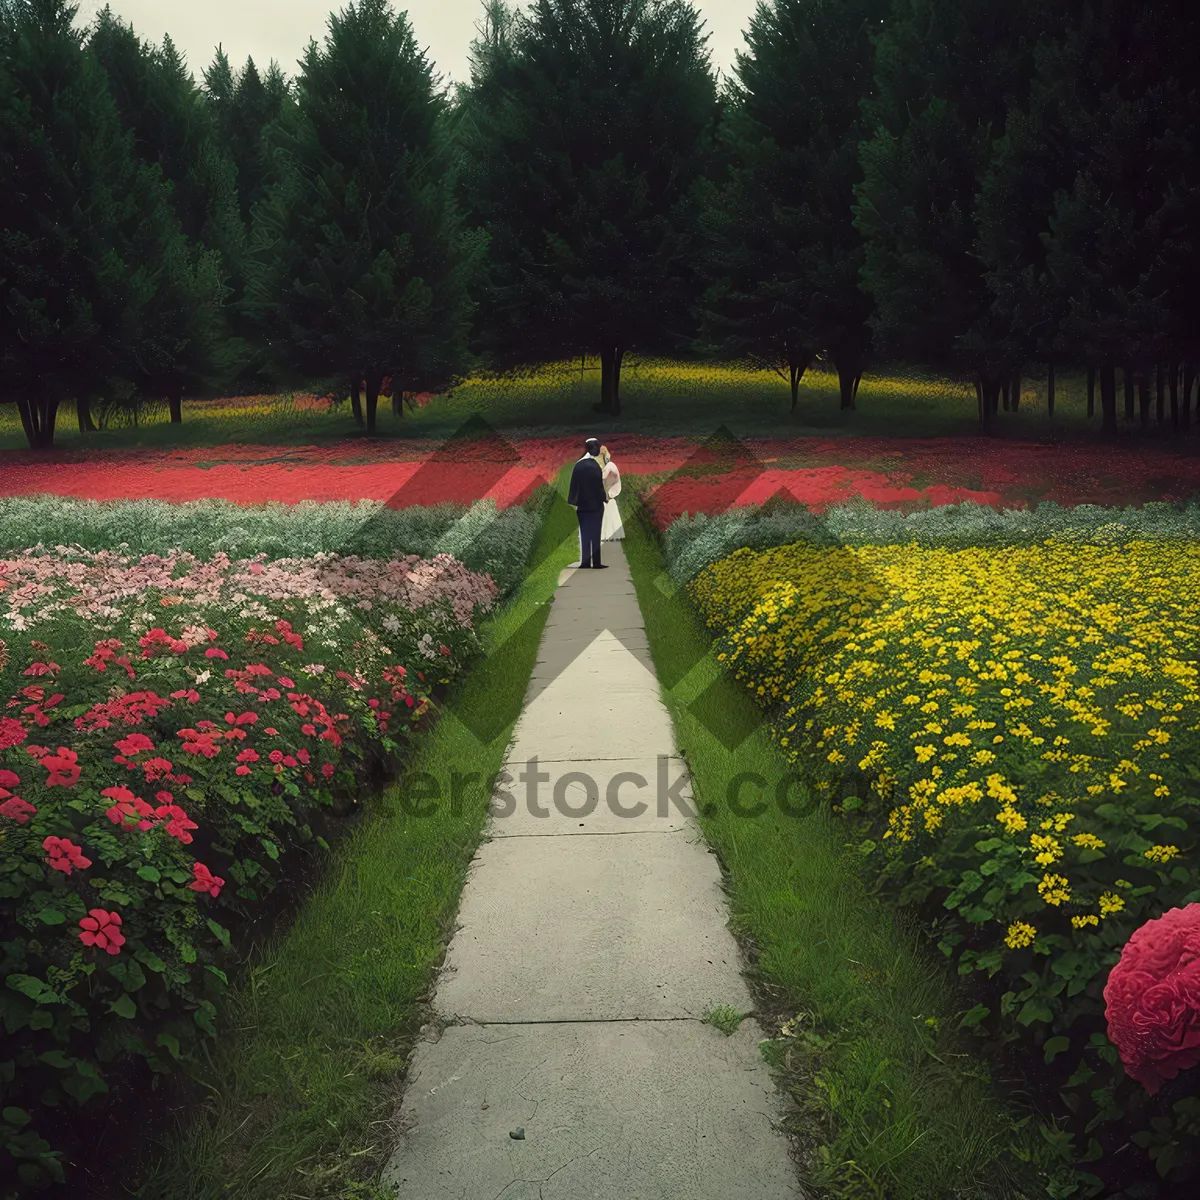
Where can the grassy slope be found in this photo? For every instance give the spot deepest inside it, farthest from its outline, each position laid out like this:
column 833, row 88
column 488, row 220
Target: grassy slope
column 659, row 398
column 903, row 1114
column 302, row 1091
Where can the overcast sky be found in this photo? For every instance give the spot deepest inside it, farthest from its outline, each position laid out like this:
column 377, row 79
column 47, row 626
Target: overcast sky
column 280, row 29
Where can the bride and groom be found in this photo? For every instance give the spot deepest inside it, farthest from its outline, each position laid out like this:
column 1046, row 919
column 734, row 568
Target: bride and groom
column 595, row 486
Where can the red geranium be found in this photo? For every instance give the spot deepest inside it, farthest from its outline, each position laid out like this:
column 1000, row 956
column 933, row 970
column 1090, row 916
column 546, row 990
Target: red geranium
column 102, row 930
column 128, row 807
column 63, row 767
column 63, row 855
column 1152, row 998
column 179, row 824
column 9, row 779
column 16, row 809
column 134, row 743
column 205, row 880
column 12, row 733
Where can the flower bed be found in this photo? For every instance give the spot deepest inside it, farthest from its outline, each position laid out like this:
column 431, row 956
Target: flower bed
column 171, row 729
column 1014, row 731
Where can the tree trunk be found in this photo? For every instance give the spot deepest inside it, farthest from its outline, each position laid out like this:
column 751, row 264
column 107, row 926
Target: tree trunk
column 1004, row 394
column 372, row 382
column 607, row 371
column 38, row 416
column 1143, row 383
column 1127, row 380
column 618, row 358
column 1015, row 399
column 1173, row 384
column 1159, row 393
column 356, row 402
column 989, row 387
column 857, row 381
column 83, row 406
column 1091, row 392
column 1189, row 377
column 1050, row 389
column 849, row 371
column 1108, row 399
column 175, row 400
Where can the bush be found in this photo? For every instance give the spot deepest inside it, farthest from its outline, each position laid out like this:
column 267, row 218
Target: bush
column 1014, row 731
column 171, row 730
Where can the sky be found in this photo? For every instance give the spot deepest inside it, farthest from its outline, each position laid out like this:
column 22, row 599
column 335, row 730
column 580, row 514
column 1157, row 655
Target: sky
column 280, row 29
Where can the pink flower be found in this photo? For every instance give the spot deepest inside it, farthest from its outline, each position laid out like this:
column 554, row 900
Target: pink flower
column 41, row 668
column 205, row 880
column 214, row 652
column 327, row 769
column 102, row 930
column 16, row 809
column 1152, row 998
column 128, row 808
column 248, row 755
column 9, row 779
column 63, row 855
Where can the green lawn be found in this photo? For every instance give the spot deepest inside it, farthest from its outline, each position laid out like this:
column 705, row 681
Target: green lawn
column 890, row 1104
column 303, row 1084
column 659, row 398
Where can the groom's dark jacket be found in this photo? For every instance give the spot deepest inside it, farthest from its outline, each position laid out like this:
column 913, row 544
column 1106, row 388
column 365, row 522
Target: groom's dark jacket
column 587, row 486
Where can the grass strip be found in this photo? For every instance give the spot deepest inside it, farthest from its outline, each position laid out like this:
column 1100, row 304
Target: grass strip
column 889, row 1104
column 303, row 1090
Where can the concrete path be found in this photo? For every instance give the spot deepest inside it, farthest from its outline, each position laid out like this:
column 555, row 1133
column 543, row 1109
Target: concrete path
column 592, row 938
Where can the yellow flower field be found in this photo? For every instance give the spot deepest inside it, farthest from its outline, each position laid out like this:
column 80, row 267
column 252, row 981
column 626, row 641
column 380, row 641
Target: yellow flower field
column 1014, row 728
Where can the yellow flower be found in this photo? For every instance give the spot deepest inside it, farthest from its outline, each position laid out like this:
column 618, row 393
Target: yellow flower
column 1011, row 820
column 1110, row 903
column 1089, row 841
column 1020, row 934
column 1055, row 890
column 1048, row 849
column 924, row 753
column 1085, row 919
column 1161, row 854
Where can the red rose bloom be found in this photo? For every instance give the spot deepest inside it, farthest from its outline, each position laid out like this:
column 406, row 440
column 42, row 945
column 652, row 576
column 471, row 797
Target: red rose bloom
column 102, row 930
column 1152, row 998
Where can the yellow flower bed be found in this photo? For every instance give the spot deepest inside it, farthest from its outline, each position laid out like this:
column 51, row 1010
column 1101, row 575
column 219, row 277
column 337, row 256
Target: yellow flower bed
column 1014, row 727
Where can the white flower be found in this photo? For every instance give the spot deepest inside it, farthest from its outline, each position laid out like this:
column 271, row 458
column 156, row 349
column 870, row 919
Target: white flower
column 204, row 677
column 391, row 623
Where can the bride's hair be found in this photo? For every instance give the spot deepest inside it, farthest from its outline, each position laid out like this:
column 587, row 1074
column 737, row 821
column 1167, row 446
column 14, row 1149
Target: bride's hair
column 605, row 457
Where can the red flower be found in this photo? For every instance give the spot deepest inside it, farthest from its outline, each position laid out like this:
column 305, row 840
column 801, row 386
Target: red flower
column 134, row 743
column 102, row 930
column 188, row 694
column 1152, row 998
column 443, row 648
column 303, row 756
column 276, row 756
column 179, row 824
column 128, row 807
column 214, row 652
column 308, row 729
column 242, row 770
column 63, row 855
column 12, row 733
column 156, row 768
column 327, row 769
column 247, row 756
column 205, row 880
column 271, row 732
column 63, row 767
column 41, row 668
column 16, row 809
column 285, row 682
column 9, row 779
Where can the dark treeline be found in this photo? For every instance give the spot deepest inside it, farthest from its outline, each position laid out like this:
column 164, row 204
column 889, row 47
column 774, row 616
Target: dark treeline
column 986, row 188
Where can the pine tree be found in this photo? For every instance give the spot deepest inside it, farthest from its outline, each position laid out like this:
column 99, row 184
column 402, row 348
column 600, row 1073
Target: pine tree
column 361, row 269
column 586, row 125
column 85, row 228
column 944, row 71
column 781, row 239
column 174, row 132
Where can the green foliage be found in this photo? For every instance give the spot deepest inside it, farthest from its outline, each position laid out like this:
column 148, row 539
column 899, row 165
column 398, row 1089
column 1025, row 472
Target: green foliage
column 361, row 267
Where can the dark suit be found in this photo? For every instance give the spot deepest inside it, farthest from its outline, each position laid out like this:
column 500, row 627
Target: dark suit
column 588, row 496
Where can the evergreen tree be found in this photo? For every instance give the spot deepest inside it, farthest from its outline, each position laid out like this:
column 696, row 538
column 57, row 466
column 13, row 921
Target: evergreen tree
column 944, row 70
column 173, row 131
column 781, row 237
column 1089, row 211
column 361, row 268
column 586, row 125
column 86, row 230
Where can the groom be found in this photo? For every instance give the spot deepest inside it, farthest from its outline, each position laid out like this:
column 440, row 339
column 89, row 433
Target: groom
column 588, row 496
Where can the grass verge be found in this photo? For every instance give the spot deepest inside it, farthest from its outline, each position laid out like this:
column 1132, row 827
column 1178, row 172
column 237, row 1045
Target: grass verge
column 301, row 1091
column 889, row 1105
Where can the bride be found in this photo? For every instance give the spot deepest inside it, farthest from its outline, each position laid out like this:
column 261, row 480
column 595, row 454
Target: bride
column 612, row 530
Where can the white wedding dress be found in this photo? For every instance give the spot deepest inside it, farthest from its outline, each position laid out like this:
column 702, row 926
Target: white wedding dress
column 611, row 529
